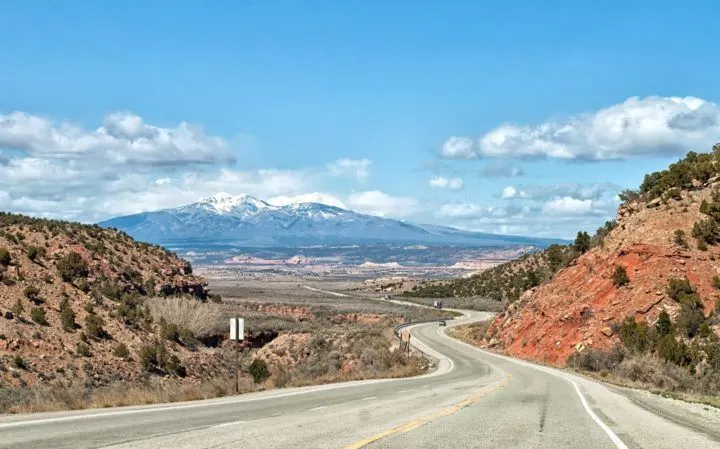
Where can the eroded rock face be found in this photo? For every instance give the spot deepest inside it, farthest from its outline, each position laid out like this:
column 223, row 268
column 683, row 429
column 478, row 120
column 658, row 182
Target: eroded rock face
column 577, row 308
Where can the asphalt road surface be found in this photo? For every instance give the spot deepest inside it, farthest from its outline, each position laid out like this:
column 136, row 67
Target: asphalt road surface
column 473, row 400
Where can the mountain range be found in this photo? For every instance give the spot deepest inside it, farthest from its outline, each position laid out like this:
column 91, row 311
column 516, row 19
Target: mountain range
column 245, row 221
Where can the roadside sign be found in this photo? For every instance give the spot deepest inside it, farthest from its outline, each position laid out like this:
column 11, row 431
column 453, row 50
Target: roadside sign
column 237, row 329
column 405, row 336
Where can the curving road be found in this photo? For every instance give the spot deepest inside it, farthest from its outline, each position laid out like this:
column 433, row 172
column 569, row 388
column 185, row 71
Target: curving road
column 474, row 399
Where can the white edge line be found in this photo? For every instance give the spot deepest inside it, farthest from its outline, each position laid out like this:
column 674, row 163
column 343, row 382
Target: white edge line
column 232, row 400
column 317, row 408
column 613, row 437
column 228, row 424
column 368, row 398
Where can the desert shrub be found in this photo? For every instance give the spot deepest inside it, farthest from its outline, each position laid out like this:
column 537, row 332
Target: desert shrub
column 17, row 308
column 31, row 292
column 5, row 258
column 37, row 314
column 691, row 315
column 635, row 336
column 19, row 363
column 595, row 360
column 148, row 358
column 200, row 318
column 169, row 331
column 672, row 350
column 258, row 370
column 82, row 349
column 110, row 290
column 706, row 231
column 83, row 285
column 72, row 266
column 664, row 325
column 653, row 371
column 680, row 238
column 121, row 351
column 620, row 277
column 130, row 310
column 628, row 195
column 582, row 242
column 67, row 316
column 174, row 366
column 94, row 326
column 673, row 193
column 32, row 253
column 679, row 287
column 153, row 357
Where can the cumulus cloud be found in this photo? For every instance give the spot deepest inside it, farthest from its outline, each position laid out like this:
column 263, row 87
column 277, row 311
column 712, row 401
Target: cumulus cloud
column 476, row 211
column 580, row 191
column 440, row 182
column 123, row 138
column 375, row 202
column 355, row 168
column 638, row 126
column 460, row 148
column 568, row 205
column 314, row 197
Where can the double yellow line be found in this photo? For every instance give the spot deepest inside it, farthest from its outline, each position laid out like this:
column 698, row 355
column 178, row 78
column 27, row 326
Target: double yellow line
column 412, row 425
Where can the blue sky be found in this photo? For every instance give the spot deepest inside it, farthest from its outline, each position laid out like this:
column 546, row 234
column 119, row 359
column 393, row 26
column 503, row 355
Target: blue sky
column 520, row 117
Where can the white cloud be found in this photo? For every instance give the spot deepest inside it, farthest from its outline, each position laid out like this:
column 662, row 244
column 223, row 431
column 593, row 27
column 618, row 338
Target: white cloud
column 375, row 202
column 123, row 138
column 647, row 126
column 581, row 191
column 356, row 168
column 568, row 206
column 511, row 192
column 475, row 211
column 314, row 197
column 439, row 182
column 459, row 148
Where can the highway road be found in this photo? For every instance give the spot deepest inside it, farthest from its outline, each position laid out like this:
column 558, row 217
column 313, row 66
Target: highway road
column 474, row 399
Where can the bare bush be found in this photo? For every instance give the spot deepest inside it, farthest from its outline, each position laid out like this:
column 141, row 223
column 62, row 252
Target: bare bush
column 651, row 371
column 201, row 318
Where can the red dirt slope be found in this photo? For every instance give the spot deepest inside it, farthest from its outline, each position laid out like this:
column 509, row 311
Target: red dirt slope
column 577, row 308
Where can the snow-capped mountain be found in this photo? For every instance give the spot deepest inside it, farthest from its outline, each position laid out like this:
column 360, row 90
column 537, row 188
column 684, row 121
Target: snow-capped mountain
column 246, row 221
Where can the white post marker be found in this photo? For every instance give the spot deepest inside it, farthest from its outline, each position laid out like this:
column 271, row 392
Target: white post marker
column 237, row 334
column 237, row 329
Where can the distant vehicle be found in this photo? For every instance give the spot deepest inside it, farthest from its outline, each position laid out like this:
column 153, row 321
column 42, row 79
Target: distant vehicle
column 387, row 297
column 442, row 323
column 438, row 304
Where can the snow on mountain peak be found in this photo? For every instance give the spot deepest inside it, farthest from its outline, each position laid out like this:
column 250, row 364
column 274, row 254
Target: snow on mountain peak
column 225, row 203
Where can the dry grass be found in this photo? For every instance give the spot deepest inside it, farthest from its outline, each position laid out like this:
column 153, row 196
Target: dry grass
column 121, row 394
column 202, row 318
column 471, row 333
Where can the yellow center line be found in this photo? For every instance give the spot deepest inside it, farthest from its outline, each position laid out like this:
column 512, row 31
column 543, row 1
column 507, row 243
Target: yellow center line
column 412, row 425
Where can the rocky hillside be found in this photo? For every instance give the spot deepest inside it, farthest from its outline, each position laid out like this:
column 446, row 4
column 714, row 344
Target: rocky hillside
column 75, row 305
column 505, row 282
column 661, row 261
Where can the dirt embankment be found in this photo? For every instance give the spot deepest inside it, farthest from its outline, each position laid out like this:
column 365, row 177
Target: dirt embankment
column 577, row 308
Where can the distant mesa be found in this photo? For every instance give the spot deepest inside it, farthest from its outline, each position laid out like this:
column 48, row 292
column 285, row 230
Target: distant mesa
column 380, row 265
column 245, row 221
column 250, row 260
